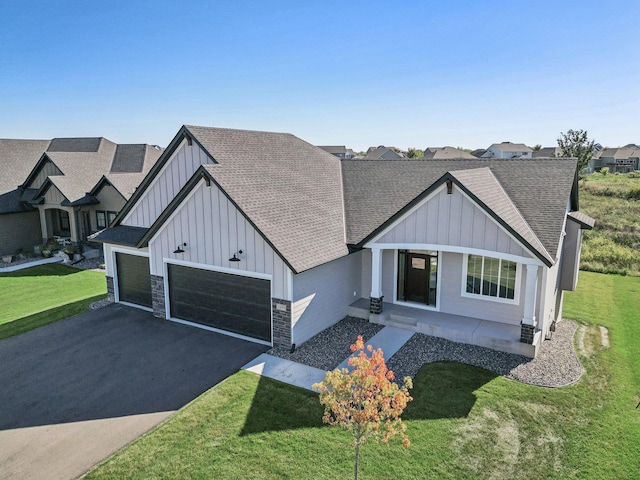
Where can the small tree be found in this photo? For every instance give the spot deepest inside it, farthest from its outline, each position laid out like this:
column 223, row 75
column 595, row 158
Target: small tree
column 575, row 144
column 365, row 401
column 415, row 153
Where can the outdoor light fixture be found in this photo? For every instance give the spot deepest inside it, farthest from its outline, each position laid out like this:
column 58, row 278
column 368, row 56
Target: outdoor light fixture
column 179, row 248
column 235, row 258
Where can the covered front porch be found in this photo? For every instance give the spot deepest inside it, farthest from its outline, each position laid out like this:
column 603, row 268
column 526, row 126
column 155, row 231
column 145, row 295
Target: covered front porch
column 457, row 328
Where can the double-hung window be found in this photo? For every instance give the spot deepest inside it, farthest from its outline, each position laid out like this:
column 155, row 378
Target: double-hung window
column 490, row 277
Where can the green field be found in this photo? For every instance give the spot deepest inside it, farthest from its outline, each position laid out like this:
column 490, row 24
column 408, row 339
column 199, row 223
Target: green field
column 36, row 296
column 613, row 200
column 465, row 422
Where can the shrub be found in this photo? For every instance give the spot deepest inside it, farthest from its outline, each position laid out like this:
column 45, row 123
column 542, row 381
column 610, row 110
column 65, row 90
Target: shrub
column 604, row 170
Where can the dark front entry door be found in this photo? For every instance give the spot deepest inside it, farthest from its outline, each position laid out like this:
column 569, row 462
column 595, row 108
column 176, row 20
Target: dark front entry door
column 417, row 283
column 417, row 276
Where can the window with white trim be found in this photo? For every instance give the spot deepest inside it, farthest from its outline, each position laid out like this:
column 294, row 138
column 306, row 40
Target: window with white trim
column 491, row 277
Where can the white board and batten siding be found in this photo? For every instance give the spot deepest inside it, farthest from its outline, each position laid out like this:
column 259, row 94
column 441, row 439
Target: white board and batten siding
column 214, row 229
column 323, row 294
column 174, row 175
column 452, row 220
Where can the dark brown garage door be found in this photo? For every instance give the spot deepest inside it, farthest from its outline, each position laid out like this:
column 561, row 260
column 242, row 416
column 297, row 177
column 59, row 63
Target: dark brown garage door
column 134, row 283
column 233, row 303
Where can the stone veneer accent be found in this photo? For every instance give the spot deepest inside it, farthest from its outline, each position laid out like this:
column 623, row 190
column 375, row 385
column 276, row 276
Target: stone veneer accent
column 375, row 305
column 527, row 333
column 281, row 314
column 157, row 296
column 111, row 293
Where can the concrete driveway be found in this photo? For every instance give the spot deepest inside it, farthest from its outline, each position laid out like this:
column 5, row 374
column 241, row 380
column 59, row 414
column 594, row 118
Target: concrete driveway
column 74, row 392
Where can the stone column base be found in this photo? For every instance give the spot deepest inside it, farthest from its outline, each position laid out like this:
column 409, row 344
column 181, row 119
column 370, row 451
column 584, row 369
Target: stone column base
column 111, row 295
column 375, row 305
column 157, row 296
column 527, row 333
column 281, row 314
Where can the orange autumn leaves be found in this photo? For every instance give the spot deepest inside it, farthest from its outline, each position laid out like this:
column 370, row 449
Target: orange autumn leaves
column 364, row 400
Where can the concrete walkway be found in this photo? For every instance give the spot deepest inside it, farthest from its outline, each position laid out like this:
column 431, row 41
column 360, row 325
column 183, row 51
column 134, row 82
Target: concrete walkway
column 20, row 266
column 389, row 339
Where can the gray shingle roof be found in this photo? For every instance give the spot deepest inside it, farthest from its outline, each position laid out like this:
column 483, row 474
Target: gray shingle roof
column 540, row 190
column 547, row 152
column 290, row 190
column 17, row 159
column 485, row 186
column 585, row 221
column 76, row 144
column 83, row 170
column 441, row 153
column 512, row 147
column 380, row 152
column 120, row 235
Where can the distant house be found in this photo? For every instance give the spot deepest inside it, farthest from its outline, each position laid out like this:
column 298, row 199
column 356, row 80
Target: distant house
column 19, row 221
column 383, row 153
column 263, row 236
column 443, row 153
column 478, row 152
column 547, row 152
column 66, row 188
column 339, row 151
column 623, row 159
column 508, row 150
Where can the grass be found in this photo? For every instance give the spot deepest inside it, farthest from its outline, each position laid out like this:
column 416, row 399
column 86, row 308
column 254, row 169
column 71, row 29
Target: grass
column 40, row 295
column 465, row 422
column 613, row 200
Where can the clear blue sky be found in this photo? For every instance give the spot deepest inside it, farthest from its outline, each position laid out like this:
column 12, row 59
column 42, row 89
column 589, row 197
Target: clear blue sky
column 403, row 73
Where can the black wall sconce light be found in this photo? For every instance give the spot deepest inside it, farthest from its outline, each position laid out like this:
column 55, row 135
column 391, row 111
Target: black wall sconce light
column 179, row 248
column 235, row 258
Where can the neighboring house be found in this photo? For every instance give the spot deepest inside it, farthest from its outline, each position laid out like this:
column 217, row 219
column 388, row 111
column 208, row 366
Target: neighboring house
column 78, row 185
column 383, row 153
column 479, row 152
column 339, row 151
column 442, row 153
column 19, row 222
column 507, row 150
column 266, row 237
column 623, row 159
column 547, row 152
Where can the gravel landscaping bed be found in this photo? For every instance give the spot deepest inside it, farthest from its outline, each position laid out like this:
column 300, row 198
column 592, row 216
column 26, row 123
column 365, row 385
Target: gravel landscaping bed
column 330, row 347
column 96, row 263
column 556, row 364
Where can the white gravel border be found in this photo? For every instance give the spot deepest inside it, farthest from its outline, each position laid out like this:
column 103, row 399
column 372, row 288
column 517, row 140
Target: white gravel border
column 556, row 364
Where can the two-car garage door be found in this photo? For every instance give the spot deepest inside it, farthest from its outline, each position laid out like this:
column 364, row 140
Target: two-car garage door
column 234, row 303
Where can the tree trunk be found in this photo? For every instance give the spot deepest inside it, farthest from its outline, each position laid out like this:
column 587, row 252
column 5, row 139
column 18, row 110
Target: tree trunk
column 357, row 458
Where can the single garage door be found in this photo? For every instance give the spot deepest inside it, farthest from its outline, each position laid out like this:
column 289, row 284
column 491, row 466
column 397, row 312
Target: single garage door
column 225, row 301
column 134, row 282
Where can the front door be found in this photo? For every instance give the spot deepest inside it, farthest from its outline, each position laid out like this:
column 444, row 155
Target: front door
column 417, row 276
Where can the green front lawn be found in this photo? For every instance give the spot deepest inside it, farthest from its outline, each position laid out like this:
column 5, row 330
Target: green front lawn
column 465, row 422
column 39, row 295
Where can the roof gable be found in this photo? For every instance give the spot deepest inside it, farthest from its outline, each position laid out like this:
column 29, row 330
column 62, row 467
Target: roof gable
column 377, row 193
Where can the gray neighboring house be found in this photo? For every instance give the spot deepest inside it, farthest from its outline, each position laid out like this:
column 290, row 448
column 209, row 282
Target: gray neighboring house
column 76, row 186
column 508, row 150
column 547, row 152
column 339, row 151
column 263, row 236
column 622, row 159
column 19, row 221
column 383, row 153
column 442, row 153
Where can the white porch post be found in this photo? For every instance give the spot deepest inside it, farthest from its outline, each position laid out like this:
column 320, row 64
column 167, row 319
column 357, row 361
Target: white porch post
column 375, row 302
column 530, row 295
column 527, row 328
column 73, row 225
